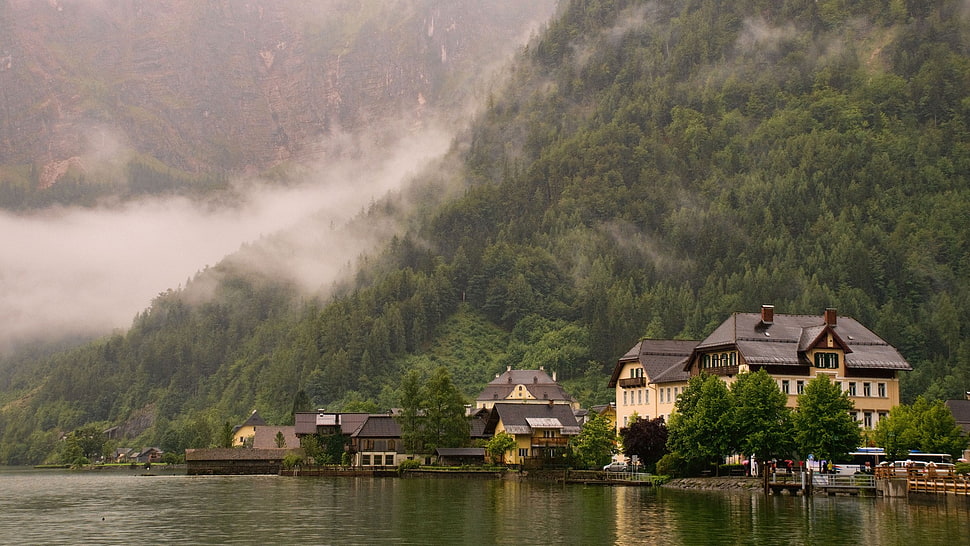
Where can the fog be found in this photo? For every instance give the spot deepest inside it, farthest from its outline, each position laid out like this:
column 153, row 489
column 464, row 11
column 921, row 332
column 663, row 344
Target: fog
column 86, row 271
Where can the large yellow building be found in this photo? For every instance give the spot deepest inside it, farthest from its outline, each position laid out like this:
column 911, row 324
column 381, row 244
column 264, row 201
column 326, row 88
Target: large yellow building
column 794, row 349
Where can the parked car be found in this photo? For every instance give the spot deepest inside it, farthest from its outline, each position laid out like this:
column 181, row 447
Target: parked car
column 617, row 466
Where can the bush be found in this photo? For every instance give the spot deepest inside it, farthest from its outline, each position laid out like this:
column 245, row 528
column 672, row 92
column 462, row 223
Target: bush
column 80, row 462
column 170, row 457
column 672, row 464
column 408, row 464
column 291, row 461
column 962, row 468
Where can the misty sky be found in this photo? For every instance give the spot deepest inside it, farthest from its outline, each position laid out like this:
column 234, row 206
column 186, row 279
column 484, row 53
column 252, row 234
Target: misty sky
column 88, row 271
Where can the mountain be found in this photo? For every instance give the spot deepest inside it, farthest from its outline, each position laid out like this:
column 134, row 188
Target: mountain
column 214, row 88
column 649, row 168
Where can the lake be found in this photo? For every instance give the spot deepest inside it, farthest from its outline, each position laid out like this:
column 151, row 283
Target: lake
column 123, row 507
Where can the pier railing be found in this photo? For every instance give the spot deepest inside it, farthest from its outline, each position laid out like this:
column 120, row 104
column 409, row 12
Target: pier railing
column 955, row 485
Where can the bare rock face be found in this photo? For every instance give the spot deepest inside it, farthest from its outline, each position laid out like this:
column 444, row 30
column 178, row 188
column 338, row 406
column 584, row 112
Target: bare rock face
column 226, row 85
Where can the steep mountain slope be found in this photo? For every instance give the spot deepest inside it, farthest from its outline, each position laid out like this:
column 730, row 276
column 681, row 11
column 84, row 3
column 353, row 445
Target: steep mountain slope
column 222, row 87
column 651, row 168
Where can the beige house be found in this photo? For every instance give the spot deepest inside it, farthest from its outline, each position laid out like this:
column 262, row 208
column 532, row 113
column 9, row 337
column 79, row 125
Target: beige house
column 524, row 387
column 794, row 349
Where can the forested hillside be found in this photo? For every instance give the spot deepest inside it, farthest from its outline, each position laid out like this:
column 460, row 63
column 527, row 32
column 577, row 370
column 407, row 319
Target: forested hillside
column 651, row 168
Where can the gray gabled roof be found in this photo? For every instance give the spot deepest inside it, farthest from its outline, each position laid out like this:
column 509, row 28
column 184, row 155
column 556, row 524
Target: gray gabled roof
column 662, row 359
column 524, row 418
column 378, row 426
column 537, row 382
column 784, row 340
column 254, row 421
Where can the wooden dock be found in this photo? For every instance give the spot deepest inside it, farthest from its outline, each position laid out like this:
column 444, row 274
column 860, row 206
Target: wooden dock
column 940, row 485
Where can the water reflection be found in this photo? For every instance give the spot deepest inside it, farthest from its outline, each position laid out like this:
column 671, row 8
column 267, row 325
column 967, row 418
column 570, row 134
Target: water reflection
column 118, row 508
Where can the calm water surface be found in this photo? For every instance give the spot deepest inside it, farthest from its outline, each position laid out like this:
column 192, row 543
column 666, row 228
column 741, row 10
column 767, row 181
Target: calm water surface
column 118, row 507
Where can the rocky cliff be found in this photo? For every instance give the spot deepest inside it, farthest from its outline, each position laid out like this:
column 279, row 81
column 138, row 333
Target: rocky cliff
column 229, row 86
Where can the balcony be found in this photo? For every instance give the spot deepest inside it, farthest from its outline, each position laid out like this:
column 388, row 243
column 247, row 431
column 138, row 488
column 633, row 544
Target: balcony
column 633, row 382
column 539, row 441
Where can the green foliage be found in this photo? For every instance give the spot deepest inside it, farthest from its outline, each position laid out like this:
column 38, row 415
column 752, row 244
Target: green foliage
column 172, row 458
column 225, row 435
column 409, row 416
column 291, row 461
column 921, row 426
column 85, row 442
column 760, row 422
column 498, row 445
column 700, row 428
column 408, row 464
column 648, row 177
column 595, row 444
column 673, row 464
column 444, row 423
column 822, row 422
column 432, row 412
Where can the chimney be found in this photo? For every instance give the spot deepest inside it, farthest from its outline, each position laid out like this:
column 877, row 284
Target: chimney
column 553, row 376
column 831, row 318
column 767, row 314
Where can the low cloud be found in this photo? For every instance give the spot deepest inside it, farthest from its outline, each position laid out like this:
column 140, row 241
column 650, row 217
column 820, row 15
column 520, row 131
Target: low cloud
column 86, row 271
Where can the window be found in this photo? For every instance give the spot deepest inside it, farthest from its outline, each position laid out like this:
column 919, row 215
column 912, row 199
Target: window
column 625, row 419
column 705, row 361
column 661, row 393
column 851, row 388
column 646, row 396
column 786, row 386
column 365, row 460
column 548, row 434
column 827, row 360
column 391, row 445
column 669, row 399
column 624, row 398
column 866, row 389
column 639, row 396
column 523, row 452
column 799, row 386
column 389, row 460
column 883, row 415
column 867, row 419
column 882, row 389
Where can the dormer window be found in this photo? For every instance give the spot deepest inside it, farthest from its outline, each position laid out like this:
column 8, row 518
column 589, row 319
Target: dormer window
column 827, row 360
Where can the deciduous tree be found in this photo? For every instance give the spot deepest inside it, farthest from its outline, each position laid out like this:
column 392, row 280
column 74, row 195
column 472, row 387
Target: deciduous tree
column 595, row 444
column 699, row 428
column 498, row 445
column 823, row 425
column 647, row 439
column 760, row 422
